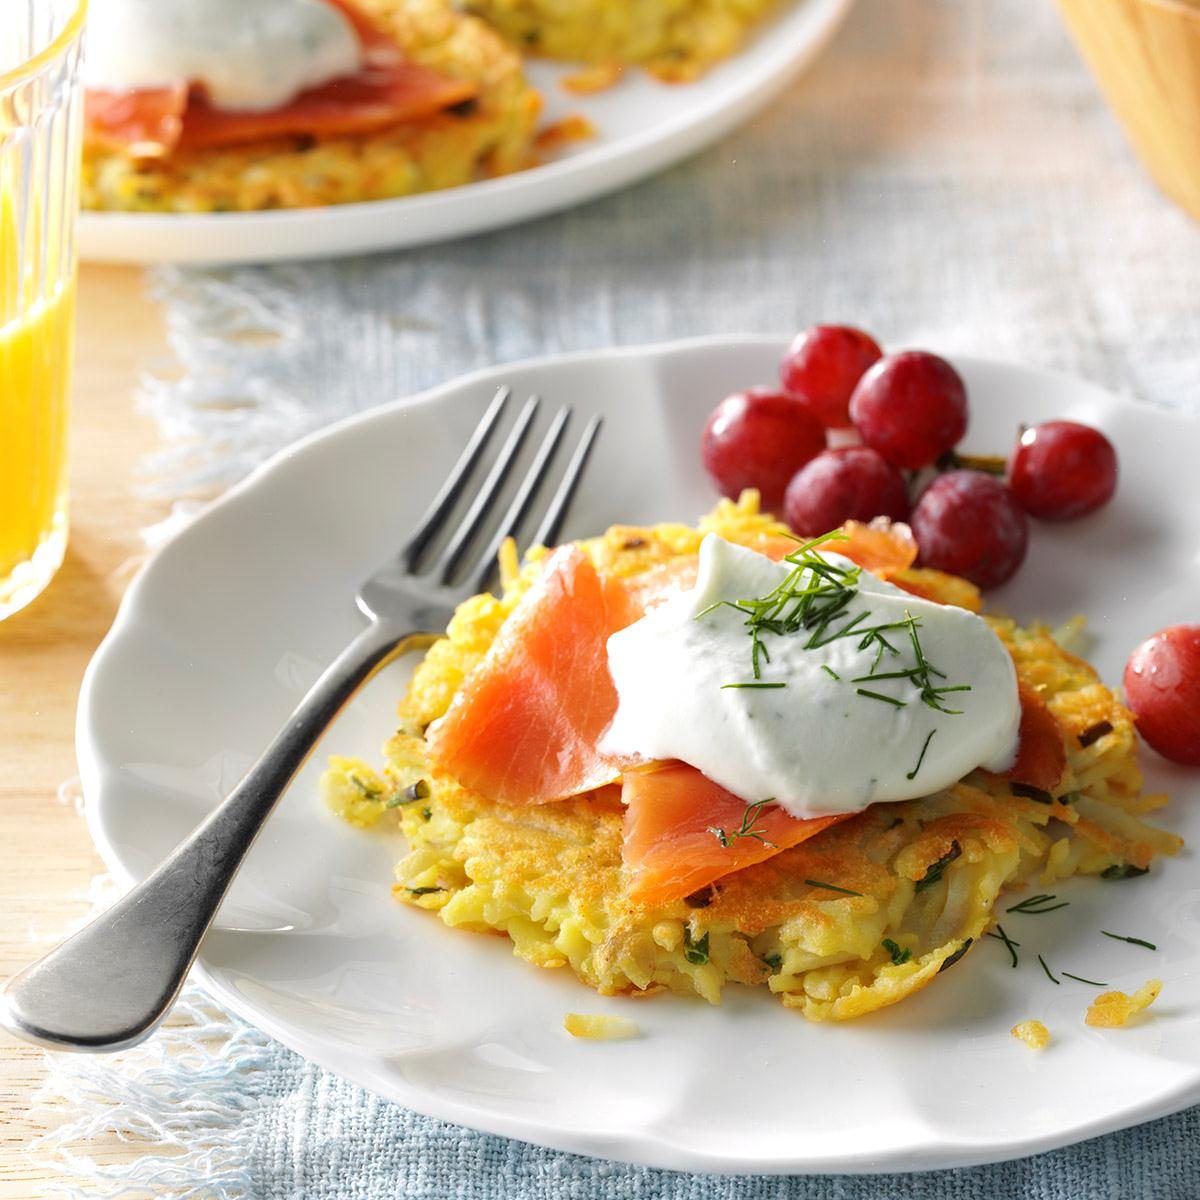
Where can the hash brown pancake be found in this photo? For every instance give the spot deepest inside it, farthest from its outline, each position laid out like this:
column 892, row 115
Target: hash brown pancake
column 492, row 134
column 856, row 918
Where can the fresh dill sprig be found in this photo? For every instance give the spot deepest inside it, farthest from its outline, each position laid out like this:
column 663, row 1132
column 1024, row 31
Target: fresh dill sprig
column 746, row 829
column 1049, row 974
column 1036, row 905
column 753, row 684
column 1010, row 945
column 880, row 696
column 899, row 956
column 1117, row 937
column 1080, row 979
column 831, row 887
column 830, row 672
column 921, row 757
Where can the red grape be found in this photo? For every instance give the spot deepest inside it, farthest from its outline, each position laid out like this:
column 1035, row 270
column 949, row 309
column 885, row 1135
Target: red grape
column 1162, row 685
column 822, row 366
column 1062, row 470
column 911, row 407
column 759, row 439
column 970, row 524
column 850, row 484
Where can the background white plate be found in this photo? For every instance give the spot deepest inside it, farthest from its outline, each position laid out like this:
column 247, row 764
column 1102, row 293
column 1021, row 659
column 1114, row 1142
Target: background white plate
column 233, row 619
column 643, row 126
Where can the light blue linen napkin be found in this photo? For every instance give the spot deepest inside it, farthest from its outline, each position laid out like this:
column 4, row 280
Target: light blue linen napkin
column 946, row 176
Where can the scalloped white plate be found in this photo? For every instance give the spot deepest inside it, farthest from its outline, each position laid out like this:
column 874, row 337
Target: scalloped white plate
column 643, row 126
column 233, row 619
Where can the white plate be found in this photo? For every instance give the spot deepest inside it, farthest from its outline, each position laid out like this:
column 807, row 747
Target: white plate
column 232, row 620
column 644, row 126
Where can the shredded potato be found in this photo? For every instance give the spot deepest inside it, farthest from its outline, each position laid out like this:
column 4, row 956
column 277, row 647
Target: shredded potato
column 598, row 1027
column 1112, row 1009
column 1033, row 1033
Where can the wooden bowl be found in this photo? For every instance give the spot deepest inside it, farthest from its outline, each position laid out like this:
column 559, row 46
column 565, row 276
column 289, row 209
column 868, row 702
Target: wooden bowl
column 1145, row 55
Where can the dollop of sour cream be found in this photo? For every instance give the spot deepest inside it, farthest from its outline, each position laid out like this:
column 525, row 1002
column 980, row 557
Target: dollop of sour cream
column 816, row 745
column 249, row 55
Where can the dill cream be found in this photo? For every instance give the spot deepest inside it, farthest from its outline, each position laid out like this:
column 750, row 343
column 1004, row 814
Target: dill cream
column 249, row 55
column 812, row 683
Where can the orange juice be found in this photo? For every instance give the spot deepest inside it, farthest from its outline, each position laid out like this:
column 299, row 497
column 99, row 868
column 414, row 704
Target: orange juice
column 40, row 123
column 35, row 359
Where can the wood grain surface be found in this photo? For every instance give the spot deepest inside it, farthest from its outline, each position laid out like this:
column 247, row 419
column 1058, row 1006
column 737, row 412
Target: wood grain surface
column 46, row 857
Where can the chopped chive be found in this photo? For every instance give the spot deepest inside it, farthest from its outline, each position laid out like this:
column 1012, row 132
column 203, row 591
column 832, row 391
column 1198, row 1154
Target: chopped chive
column 1047, row 970
column 415, row 791
column 1123, row 871
column 1031, row 793
column 695, row 952
column 831, row 887
column 921, row 757
column 830, row 672
column 949, row 961
column 881, row 696
column 1036, row 905
column 1117, row 937
column 1093, row 733
column 935, row 870
column 424, row 891
column 368, row 789
column 1009, row 944
column 1080, row 979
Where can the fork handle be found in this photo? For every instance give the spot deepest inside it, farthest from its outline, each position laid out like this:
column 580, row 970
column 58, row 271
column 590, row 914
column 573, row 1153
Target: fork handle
column 111, row 983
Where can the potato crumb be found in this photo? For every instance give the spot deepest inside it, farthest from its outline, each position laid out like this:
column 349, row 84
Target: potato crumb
column 596, row 78
column 596, row 1027
column 1115, row 1008
column 1033, row 1033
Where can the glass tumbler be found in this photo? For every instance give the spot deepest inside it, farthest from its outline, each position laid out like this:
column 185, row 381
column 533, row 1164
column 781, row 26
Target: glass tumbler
column 41, row 105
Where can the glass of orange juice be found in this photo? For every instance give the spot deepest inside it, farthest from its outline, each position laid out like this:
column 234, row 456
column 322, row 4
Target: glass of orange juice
column 40, row 123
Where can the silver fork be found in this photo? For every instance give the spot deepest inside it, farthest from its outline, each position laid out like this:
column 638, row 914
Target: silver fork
column 110, row 984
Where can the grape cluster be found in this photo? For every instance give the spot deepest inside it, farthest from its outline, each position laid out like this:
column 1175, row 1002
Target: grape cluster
column 904, row 413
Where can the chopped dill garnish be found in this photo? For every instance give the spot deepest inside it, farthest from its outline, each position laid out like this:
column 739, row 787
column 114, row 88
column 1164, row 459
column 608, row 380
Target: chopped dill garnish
column 1009, row 944
column 830, row 672
column 1080, row 979
column 368, row 789
column 1117, row 937
column 755, row 684
column 695, row 952
column 1036, row 905
column 937, row 869
column 424, row 891
column 1040, row 795
column 1045, row 968
column 1123, row 871
column 416, row 791
column 881, row 696
column 774, row 961
column 746, row 829
column 898, row 956
column 831, row 887
column 426, row 813
column 921, row 757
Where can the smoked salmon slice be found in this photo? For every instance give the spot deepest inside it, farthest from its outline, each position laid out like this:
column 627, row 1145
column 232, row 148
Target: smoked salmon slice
column 525, row 725
column 1041, row 756
column 671, row 849
column 386, row 91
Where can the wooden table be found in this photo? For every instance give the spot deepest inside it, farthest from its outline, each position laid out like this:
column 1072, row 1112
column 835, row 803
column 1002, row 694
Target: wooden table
column 46, row 856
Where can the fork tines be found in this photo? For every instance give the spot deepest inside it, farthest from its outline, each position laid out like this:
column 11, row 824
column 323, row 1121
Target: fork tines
column 476, row 520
